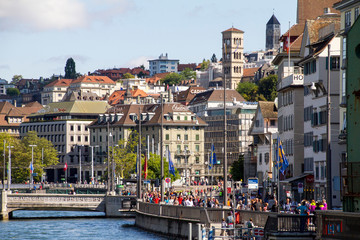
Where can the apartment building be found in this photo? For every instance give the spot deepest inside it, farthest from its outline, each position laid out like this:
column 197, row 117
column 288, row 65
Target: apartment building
column 163, row 65
column 183, row 133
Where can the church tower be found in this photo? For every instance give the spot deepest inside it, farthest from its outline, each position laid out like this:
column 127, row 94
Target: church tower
column 272, row 33
column 233, row 60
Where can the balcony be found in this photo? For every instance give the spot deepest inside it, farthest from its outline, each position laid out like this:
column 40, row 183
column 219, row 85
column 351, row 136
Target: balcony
column 292, row 80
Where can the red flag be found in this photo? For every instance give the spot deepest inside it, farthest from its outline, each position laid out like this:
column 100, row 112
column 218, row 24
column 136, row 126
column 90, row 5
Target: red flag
column 65, row 166
column 167, row 87
column 146, row 167
column 287, row 43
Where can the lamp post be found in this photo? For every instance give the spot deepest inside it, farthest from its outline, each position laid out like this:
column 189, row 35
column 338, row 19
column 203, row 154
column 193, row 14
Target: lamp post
column 92, row 162
column 4, row 154
column 328, row 133
column 9, row 174
column 32, row 167
column 80, row 162
column 42, row 164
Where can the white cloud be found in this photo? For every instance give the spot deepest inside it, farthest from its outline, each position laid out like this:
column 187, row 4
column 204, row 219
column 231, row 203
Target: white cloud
column 43, row 15
column 143, row 60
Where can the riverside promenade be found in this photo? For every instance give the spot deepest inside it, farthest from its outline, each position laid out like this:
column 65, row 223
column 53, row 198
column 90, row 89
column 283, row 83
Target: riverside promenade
column 184, row 222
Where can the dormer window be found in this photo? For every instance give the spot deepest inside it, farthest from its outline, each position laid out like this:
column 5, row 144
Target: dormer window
column 133, row 117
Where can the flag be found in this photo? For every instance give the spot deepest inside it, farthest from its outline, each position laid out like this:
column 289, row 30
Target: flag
column 287, row 43
column 212, row 160
column 31, row 168
column 171, row 165
column 282, row 161
column 65, row 167
column 167, row 87
column 146, row 167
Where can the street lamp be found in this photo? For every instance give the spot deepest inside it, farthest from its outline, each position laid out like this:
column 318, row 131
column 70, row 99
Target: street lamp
column 9, row 174
column 32, row 166
column 4, row 154
column 80, row 162
column 113, row 168
column 92, row 162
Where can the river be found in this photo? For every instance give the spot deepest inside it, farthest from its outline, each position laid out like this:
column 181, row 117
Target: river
column 70, row 225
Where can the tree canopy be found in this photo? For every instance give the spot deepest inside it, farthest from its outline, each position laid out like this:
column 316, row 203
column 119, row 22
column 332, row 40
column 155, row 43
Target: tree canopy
column 237, row 169
column 172, row 79
column 45, row 155
column 205, row 64
column 188, row 74
column 213, row 58
column 70, row 69
column 128, row 75
column 268, row 87
column 266, row 90
column 12, row 92
column 16, row 78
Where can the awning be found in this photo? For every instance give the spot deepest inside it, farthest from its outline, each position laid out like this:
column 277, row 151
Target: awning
column 292, row 179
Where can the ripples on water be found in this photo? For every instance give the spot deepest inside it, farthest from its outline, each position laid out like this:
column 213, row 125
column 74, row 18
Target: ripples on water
column 89, row 226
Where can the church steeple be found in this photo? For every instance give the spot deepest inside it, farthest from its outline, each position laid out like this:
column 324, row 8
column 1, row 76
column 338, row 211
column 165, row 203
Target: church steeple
column 272, row 33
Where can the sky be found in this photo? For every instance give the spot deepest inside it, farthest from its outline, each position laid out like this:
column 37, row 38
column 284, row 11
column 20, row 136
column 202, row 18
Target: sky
column 38, row 36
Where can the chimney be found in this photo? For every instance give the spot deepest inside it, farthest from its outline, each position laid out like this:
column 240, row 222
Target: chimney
column 15, row 103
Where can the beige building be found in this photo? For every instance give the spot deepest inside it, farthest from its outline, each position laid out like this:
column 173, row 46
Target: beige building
column 65, row 124
column 183, row 133
column 233, row 48
column 55, row 91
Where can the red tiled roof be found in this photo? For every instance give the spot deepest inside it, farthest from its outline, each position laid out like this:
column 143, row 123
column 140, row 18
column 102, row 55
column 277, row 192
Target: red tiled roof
column 60, row 82
column 233, row 30
column 154, row 79
column 249, row 72
column 93, row 79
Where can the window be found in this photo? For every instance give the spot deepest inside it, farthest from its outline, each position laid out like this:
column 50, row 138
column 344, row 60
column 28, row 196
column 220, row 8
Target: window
column 86, row 138
column 197, row 148
column 197, row 137
column 71, row 138
column 317, row 172
column 79, row 138
column 322, row 172
column 267, row 158
column 178, row 117
column 178, row 137
column 186, row 137
column 334, row 63
column 178, row 160
column 178, row 149
column 308, row 139
column 71, row 127
column 272, row 122
column 356, row 13
column 167, row 137
column 347, row 20
column 197, row 160
column 79, row 128
column 260, row 158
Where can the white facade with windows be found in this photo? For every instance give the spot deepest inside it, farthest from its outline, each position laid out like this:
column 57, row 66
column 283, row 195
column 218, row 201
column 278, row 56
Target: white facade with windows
column 163, row 64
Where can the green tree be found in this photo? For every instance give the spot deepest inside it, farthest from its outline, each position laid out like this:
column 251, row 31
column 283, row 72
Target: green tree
column 142, row 66
column 248, row 90
column 213, row 58
column 23, row 154
column 205, row 64
column 237, row 169
column 172, row 79
column 154, row 168
column 127, row 76
column 16, row 78
column 70, row 69
column 142, row 74
column 12, row 92
column 268, row 87
column 187, row 73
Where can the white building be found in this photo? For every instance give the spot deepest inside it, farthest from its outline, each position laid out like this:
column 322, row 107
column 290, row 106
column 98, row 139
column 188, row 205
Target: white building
column 162, row 65
column 318, row 35
column 264, row 128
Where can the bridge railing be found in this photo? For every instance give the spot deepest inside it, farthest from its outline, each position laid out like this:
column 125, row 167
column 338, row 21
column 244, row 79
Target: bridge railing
column 192, row 213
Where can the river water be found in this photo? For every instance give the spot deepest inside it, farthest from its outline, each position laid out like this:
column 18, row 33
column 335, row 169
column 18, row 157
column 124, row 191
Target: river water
column 70, row 225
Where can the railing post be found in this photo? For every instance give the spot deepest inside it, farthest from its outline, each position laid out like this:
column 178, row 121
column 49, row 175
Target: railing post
column 190, row 231
column 199, row 232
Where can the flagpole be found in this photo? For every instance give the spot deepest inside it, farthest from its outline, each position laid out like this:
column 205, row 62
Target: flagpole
column 288, row 48
column 161, row 149
column 278, row 173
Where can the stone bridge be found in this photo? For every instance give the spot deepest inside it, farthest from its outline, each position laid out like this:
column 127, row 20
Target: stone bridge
column 112, row 206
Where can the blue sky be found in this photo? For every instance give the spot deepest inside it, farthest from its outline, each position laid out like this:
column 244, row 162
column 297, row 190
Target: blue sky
column 37, row 36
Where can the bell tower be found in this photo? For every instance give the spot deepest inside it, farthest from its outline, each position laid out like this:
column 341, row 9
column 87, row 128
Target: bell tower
column 233, row 60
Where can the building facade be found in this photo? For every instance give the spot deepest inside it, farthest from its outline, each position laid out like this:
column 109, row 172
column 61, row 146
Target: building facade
column 65, row 124
column 162, row 65
column 55, row 91
column 183, row 134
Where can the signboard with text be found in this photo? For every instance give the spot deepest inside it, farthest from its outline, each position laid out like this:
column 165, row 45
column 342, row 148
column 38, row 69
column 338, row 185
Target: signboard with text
column 253, row 183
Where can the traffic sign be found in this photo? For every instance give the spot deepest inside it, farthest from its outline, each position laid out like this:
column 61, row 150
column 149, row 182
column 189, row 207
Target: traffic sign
column 168, row 180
